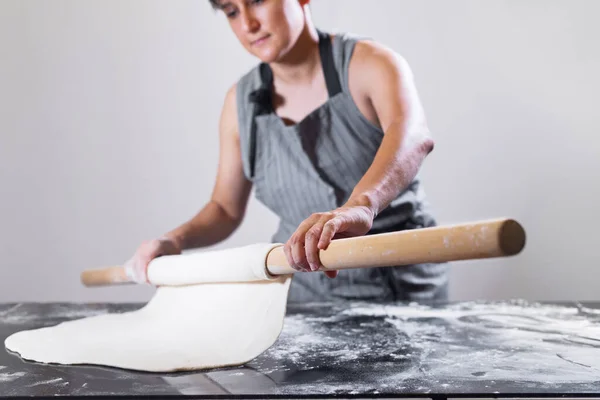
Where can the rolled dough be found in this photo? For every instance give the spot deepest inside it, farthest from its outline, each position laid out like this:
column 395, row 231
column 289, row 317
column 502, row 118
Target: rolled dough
column 239, row 264
column 189, row 327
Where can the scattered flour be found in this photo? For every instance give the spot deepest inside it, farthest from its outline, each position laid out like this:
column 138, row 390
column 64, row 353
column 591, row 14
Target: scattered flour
column 47, row 382
column 11, row 376
column 452, row 347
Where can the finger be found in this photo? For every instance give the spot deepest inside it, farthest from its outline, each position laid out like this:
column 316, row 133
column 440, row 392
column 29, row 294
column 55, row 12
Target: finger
column 312, row 249
column 139, row 271
column 308, row 223
column 296, row 244
column 132, row 270
column 287, row 250
column 299, row 254
column 143, row 269
column 331, row 228
column 331, row 274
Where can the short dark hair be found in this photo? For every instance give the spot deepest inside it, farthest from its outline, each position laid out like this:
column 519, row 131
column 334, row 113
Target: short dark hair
column 215, row 4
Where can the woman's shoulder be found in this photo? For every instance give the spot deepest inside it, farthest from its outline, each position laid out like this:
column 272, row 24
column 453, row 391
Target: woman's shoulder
column 360, row 59
column 350, row 46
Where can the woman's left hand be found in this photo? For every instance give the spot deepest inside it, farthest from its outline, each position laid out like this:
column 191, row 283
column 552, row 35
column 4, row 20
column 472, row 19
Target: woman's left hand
column 317, row 231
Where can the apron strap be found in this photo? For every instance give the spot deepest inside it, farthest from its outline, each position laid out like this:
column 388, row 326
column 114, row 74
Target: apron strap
column 327, row 62
column 262, row 100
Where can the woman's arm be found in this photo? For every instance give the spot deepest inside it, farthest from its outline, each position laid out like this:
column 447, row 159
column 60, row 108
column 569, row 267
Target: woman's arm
column 386, row 81
column 220, row 217
column 382, row 80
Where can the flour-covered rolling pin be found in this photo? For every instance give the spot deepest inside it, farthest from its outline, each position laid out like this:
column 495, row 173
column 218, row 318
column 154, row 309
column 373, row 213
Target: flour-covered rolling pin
column 467, row 241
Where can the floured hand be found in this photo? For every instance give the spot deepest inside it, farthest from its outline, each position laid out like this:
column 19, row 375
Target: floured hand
column 317, row 232
column 136, row 267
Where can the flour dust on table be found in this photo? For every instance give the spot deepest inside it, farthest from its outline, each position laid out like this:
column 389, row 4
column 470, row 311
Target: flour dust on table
column 428, row 347
column 10, row 376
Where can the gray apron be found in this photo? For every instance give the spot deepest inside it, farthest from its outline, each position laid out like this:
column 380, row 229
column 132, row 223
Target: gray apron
column 314, row 165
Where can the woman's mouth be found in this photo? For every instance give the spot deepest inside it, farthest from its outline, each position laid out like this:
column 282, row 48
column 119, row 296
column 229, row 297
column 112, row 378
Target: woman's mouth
column 261, row 41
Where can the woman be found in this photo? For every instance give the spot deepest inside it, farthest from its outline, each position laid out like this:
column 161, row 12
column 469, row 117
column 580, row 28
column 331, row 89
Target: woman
column 330, row 132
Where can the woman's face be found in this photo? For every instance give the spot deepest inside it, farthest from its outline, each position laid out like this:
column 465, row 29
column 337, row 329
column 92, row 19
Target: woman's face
column 267, row 29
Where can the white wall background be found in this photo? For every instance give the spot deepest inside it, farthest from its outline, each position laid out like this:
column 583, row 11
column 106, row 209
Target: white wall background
column 109, row 113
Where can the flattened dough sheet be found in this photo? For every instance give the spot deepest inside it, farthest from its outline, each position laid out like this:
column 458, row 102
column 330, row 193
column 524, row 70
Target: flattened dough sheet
column 181, row 328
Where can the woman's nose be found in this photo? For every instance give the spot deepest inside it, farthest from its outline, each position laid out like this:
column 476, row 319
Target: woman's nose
column 249, row 22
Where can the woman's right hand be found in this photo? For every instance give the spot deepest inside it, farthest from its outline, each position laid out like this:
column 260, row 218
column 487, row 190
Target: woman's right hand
column 136, row 267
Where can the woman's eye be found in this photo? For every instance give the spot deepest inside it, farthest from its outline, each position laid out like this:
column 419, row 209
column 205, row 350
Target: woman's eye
column 230, row 13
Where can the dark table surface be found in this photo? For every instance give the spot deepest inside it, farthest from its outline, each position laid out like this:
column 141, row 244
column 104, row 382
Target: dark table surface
column 471, row 349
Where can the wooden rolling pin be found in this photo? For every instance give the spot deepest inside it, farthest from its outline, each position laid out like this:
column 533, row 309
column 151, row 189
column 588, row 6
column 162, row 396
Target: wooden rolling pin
column 476, row 240
column 467, row 241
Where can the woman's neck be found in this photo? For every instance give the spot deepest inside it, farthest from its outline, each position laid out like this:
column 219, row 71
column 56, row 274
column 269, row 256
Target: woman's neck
column 303, row 62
